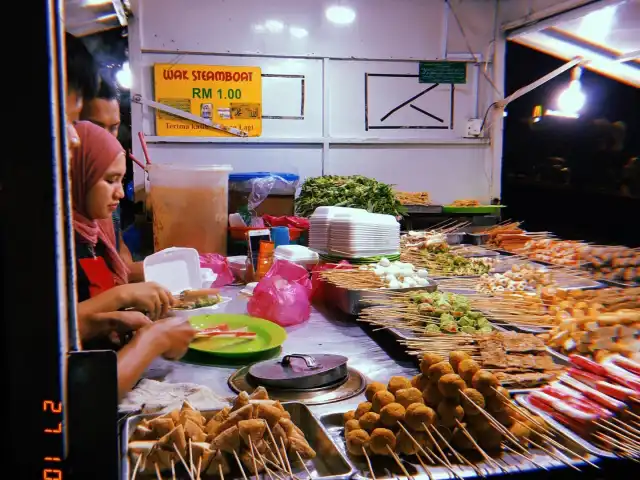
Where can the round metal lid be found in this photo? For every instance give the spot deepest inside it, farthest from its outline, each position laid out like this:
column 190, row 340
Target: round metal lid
column 296, row 367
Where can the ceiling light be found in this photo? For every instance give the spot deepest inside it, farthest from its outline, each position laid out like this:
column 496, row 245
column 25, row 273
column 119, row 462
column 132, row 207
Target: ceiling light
column 123, row 76
column 572, row 99
column 274, row 26
column 340, row 15
column 298, row 32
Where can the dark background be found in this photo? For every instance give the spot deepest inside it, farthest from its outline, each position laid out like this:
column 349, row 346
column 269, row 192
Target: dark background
column 557, row 173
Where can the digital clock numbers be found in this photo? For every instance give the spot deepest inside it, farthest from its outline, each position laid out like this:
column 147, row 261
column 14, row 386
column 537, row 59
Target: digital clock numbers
column 52, row 469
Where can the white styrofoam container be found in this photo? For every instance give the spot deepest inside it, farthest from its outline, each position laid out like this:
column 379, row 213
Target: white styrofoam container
column 177, row 269
column 297, row 254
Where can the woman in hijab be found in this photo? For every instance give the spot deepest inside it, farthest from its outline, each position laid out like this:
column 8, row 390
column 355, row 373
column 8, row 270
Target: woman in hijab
column 97, row 170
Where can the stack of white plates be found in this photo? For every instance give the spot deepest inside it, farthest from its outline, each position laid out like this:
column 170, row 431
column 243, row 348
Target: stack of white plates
column 319, row 224
column 353, row 233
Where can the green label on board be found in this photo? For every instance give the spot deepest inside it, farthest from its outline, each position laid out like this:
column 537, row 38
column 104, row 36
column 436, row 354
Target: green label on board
column 442, row 72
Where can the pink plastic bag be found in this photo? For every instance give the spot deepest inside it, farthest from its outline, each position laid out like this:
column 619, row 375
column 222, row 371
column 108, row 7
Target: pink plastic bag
column 220, row 266
column 282, row 296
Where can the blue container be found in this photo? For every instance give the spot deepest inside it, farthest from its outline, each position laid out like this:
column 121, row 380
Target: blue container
column 280, row 236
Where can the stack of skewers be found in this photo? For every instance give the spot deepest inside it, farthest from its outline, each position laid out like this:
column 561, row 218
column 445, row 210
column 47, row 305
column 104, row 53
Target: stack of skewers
column 256, row 434
column 599, row 402
column 447, row 416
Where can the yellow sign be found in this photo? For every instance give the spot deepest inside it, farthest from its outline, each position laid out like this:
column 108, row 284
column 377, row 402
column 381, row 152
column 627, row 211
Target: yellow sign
column 228, row 96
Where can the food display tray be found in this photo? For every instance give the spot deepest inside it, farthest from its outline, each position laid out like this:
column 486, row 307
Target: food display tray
column 386, row 468
column 424, row 209
column 329, row 464
column 352, row 301
column 523, row 400
column 479, row 210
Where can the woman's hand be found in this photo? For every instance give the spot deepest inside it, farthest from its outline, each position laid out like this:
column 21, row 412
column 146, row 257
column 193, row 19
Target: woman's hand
column 148, row 297
column 172, row 336
column 104, row 324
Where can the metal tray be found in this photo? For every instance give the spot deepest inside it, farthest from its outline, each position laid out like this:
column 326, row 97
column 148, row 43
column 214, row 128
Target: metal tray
column 351, row 301
column 477, row 238
column 523, row 400
column 329, row 464
column 386, row 468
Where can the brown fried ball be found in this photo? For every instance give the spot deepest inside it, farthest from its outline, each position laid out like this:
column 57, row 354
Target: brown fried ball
column 504, row 418
column 357, row 441
column 392, row 414
column 449, row 412
column 467, row 369
column 490, row 439
column 520, row 431
column 398, row 383
column 470, row 399
column 460, row 440
column 350, row 415
column 420, row 382
column 418, row 414
column 405, row 444
column 495, row 404
column 432, row 396
column 445, row 432
column 407, row 396
column 369, row 421
column 485, row 382
column 382, row 399
column 429, row 359
column 363, row 408
column 351, row 425
column 456, row 357
column 450, row 385
column 478, row 424
column 372, row 388
column 438, row 370
column 503, row 393
column 381, row 440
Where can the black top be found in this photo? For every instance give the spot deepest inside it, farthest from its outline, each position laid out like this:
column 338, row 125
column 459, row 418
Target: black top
column 83, row 250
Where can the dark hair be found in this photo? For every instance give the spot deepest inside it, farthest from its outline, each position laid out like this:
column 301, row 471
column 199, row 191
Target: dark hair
column 107, row 90
column 82, row 74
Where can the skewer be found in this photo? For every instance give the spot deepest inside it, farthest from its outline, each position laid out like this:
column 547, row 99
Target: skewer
column 220, row 471
column 626, row 428
column 186, row 467
column 615, row 432
column 424, row 467
column 633, row 414
column 200, row 468
column 173, row 469
column 192, row 469
column 373, row 475
column 417, row 444
column 558, row 445
column 253, row 458
column 511, row 450
column 399, row 462
column 487, row 458
column 244, row 475
column 275, row 444
column 443, row 456
column 303, row 464
column 616, row 444
column 267, row 469
column 157, row 468
column 459, row 456
column 284, row 450
column 135, row 468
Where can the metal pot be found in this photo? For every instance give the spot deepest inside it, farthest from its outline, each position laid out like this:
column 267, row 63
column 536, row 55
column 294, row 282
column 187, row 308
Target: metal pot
column 300, row 372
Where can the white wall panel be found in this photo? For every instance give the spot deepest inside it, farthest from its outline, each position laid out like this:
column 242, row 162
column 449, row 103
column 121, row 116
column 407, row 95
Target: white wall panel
column 382, row 29
column 384, row 93
column 447, row 173
column 302, row 160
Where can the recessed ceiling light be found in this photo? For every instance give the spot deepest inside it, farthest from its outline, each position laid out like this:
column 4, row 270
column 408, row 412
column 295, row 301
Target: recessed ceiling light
column 340, row 15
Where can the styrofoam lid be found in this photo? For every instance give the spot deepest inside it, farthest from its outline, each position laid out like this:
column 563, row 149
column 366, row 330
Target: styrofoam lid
column 177, row 269
column 295, row 253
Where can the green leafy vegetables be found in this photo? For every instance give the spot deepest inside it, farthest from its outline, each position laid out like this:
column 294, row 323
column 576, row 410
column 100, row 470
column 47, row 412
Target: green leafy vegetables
column 355, row 192
column 451, row 313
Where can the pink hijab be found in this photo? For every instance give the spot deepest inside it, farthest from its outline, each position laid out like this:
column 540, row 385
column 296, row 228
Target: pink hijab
column 97, row 151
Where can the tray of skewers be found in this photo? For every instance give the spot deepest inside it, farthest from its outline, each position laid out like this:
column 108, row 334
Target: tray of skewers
column 598, row 402
column 251, row 437
column 444, row 424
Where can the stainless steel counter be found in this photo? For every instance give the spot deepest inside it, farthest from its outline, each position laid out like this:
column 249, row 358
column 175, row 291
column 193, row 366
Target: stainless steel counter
column 324, row 332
